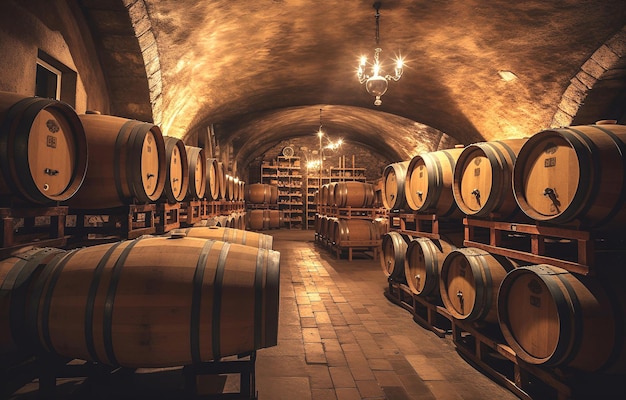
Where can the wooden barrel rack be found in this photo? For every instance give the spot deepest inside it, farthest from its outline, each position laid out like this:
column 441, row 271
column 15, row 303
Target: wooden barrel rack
column 167, row 217
column 125, row 222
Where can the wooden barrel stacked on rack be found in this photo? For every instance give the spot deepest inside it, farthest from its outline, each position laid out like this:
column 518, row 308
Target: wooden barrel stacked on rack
column 150, row 302
column 352, row 194
column 394, row 247
column 43, row 149
column 176, row 172
column 393, row 193
column 126, row 166
column 422, row 265
column 212, row 181
column 197, row 173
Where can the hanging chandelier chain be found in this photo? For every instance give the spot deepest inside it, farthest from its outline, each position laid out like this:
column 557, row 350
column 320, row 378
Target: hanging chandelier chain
column 377, row 7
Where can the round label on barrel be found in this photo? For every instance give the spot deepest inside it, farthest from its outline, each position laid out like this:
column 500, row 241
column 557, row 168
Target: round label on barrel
column 419, row 184
column 51, row 152
column 149, row 164
column 476, row 179
column 532, row 316
column 552, row 176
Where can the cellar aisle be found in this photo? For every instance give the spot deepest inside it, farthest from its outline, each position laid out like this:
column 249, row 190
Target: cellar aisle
column 340, row 338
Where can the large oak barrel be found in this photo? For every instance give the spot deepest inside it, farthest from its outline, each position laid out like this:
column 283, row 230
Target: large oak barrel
column 393, row 192
column 157, row 302
column 230, row 188
column 273, row 194
column 429, row 183
column 358, row 231
column 176, row 172
column 483, row 179
column 554, row 318
column 221, row 179
column 126, row 163
column 225, row 234
column 197, row 173
column 394, row 245
column 353, row 194
column 258, row 220
column 16, row 277
column 422, row 265
column 469, row 283
column 212, row 183
column 258, row 193
column 574, row 174
column 43, row 149
column 275, row 218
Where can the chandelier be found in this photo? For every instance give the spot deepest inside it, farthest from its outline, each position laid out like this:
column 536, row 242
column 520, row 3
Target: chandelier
column 376, row 83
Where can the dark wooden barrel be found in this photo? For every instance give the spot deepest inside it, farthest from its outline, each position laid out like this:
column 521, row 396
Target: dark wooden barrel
column 226, row 234
column 469, row 283
column 157, row 302
column 126, row 163
column 483, row 179
column 361, row 232
column 197, row 173
column 221, row 179
column 429, row 183
column 394, row 245
column 212, row 184
column 422, row 265
column 393, row 192
column 552, row 317
column 176, row 172
column 43, row 149
column 258, row 193
column 574, row 175
column 17, row 274
column 324, row 195
column 259, row 220
column 230, row 188
column 275, row 218
column 353, row 194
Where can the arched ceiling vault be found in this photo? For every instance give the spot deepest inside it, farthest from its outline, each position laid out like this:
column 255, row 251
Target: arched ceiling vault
column 259, row 71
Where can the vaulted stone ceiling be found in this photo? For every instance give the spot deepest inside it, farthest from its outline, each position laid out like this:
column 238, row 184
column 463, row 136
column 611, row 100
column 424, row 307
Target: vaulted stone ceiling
column 259, row 71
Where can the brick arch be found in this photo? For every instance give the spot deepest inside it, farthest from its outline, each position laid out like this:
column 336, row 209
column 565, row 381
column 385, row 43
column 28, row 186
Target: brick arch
column 129, row 56
column 598, row 85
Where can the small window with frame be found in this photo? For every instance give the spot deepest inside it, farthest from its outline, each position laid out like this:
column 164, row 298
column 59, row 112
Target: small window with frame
column 54, row 80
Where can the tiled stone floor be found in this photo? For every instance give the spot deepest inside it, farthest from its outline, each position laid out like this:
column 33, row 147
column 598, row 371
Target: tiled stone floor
column 341, row 339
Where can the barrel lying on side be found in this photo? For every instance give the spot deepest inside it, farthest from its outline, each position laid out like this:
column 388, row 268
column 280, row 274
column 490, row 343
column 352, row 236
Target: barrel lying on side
column 197, row 173
column 422, row 265
column 226, row 234
column 353, row 194
column 212, row 182
column 156, row 302
column 394, row 245
column 127, row 164
column 43, row 149
column 393, row 191
column 176, row 172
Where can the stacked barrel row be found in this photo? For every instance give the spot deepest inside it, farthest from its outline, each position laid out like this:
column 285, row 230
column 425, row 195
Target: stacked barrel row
column 334, row 227
column 50, row 154
column 262, row 204
column 570, row 178
column 199, row 294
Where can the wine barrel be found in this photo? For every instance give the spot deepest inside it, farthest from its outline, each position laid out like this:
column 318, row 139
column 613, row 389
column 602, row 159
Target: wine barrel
column 273, row 194
column 354, row 230
column 226, row 234
column 554, row 318
column 353, row 194
column 43, row 149
column 157, row 302
column 574, row 175
column 197, row 173
column 176, row 172
column 258, row 220
column 230, row 188
column 17, row 274
column 275, row 218
column 483, row 179
column 393, row 195
column 422, row 265
column 469, row 284
column 382, row 224
column 221, row 179
column 429, row 183
column 324, row 194
column 212, row 191
column 394, row 245
column 126, row 164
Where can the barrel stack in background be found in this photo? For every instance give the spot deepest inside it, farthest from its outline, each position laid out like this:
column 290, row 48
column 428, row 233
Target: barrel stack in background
column 262, row 206
column 537, row 286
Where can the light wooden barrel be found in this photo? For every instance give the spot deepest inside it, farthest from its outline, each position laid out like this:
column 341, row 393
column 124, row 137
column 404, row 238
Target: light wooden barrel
column 394, row 245
column 483, row 179
column 226, row 234
column 469, row 284
column 429, row 183
column 273, row 194
column 221, row 179
column 328, row 227
column 353, row 194
column 382, row 224
column 258, row 220
column 17, row 274
column 393, row 192
column 242, row 190
column 275, row 218
column 157, row 302
column 43, row 149
column 324, row 194
column 574, row 174
column 422, row 265
column 258, row 193
column 212, row 184
column 176, row 172
column 554, row 318
column 359, row 231
column 126, row 164
column 197, row 173
column 230, row 188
